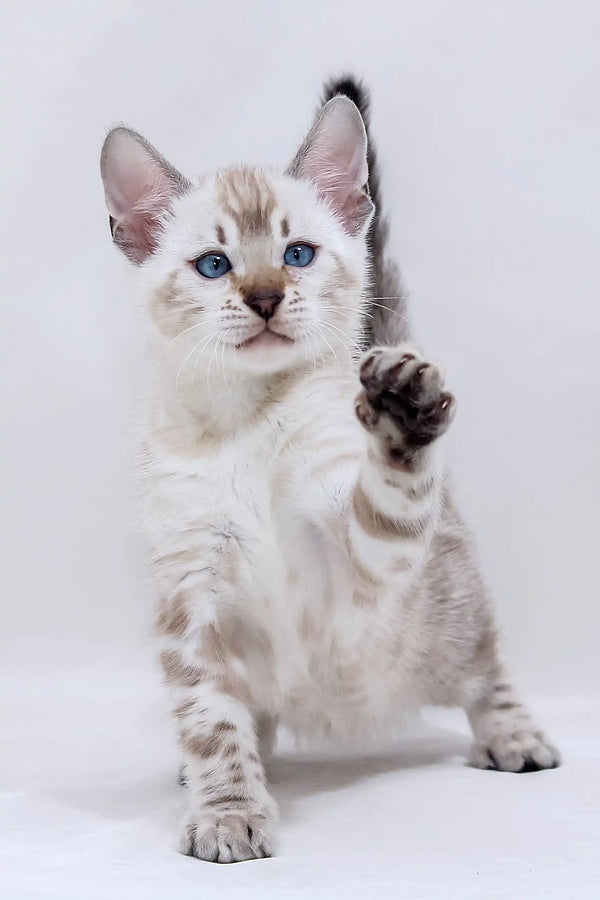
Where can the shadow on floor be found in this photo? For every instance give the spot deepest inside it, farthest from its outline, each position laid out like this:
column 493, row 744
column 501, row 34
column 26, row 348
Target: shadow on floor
column 294, row 776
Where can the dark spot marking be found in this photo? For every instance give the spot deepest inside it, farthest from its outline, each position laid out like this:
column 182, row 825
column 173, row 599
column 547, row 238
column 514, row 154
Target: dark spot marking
column 227, row 800
column 377, row 524
column 248, row 198
column 231, row 750
column 223, row 726
column 185, row 707
column 205, row 745
column 202, row 745
column 174, row 617
column 177, row 671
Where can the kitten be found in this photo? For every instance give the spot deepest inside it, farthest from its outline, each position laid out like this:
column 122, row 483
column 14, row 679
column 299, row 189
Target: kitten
column 311, row 565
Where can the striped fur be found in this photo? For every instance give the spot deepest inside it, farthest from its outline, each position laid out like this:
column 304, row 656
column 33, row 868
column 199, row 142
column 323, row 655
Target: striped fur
column 311, row 567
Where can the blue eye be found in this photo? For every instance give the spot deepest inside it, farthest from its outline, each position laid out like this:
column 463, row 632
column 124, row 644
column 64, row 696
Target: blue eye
column 213, row 265
column 299, row 255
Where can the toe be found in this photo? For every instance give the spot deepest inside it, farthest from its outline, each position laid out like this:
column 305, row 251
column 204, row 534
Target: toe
column 226, row 839
column 520, row 752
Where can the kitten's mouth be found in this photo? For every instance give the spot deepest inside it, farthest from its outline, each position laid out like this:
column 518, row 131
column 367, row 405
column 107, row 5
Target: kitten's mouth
column 266, row 338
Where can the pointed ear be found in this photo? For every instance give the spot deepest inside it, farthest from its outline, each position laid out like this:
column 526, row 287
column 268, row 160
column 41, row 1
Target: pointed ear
column 334, row 158
column 139, row 185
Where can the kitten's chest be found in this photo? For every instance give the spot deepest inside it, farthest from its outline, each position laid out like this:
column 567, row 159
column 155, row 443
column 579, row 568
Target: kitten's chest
column 291, row 581
column 225, row 483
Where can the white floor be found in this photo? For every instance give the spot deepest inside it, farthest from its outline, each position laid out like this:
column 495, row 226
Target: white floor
column 89, row 806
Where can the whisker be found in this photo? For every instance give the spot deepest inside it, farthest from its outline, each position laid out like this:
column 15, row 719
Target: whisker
column 322, row 336
column 393, row 311
column 359, row 312
column 182, row 366
column 211, row 359
column 185, row 331
column 223, row 363
column 330, row 326
column 306, row 346
column 205, row 344
column 310, row 334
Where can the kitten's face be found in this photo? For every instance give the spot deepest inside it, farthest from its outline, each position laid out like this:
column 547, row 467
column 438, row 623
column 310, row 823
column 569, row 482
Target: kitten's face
column 248, row 271
column 254, row 273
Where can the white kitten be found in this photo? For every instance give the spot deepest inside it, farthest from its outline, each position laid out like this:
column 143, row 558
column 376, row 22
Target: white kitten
column 312, row 569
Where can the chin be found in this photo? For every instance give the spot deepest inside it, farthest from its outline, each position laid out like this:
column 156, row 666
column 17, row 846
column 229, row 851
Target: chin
column 268, row 352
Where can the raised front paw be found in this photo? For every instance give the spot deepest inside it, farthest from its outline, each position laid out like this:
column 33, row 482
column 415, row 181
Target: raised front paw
column 403, row 401
column 227, row 837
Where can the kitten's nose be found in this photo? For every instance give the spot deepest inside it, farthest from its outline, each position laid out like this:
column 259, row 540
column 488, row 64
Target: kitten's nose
column 264, row 302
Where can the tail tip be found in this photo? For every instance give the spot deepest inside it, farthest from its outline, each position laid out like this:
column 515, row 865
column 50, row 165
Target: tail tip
column 349, row 86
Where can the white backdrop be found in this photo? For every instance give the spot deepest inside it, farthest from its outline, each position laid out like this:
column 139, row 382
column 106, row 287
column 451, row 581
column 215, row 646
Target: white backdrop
column 486, row 117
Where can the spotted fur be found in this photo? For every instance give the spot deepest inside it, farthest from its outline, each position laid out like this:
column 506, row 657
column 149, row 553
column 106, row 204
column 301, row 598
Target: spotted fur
column 311, row 567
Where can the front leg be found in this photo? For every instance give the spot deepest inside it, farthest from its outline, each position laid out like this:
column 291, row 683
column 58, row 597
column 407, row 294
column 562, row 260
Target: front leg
column 404, row 408
column 397, row 498
column 230, row 812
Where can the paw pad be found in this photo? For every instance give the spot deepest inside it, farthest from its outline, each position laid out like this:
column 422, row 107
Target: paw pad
column 409, row 391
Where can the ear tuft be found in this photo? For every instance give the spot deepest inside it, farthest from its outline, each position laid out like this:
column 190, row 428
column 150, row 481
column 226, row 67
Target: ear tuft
column 139, row 185
column 334, row 158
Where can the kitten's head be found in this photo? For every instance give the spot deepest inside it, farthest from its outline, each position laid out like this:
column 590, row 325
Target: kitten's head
column 246, row 269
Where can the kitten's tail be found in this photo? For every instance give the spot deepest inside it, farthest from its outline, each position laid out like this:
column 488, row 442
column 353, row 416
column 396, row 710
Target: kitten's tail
column 387, row 305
